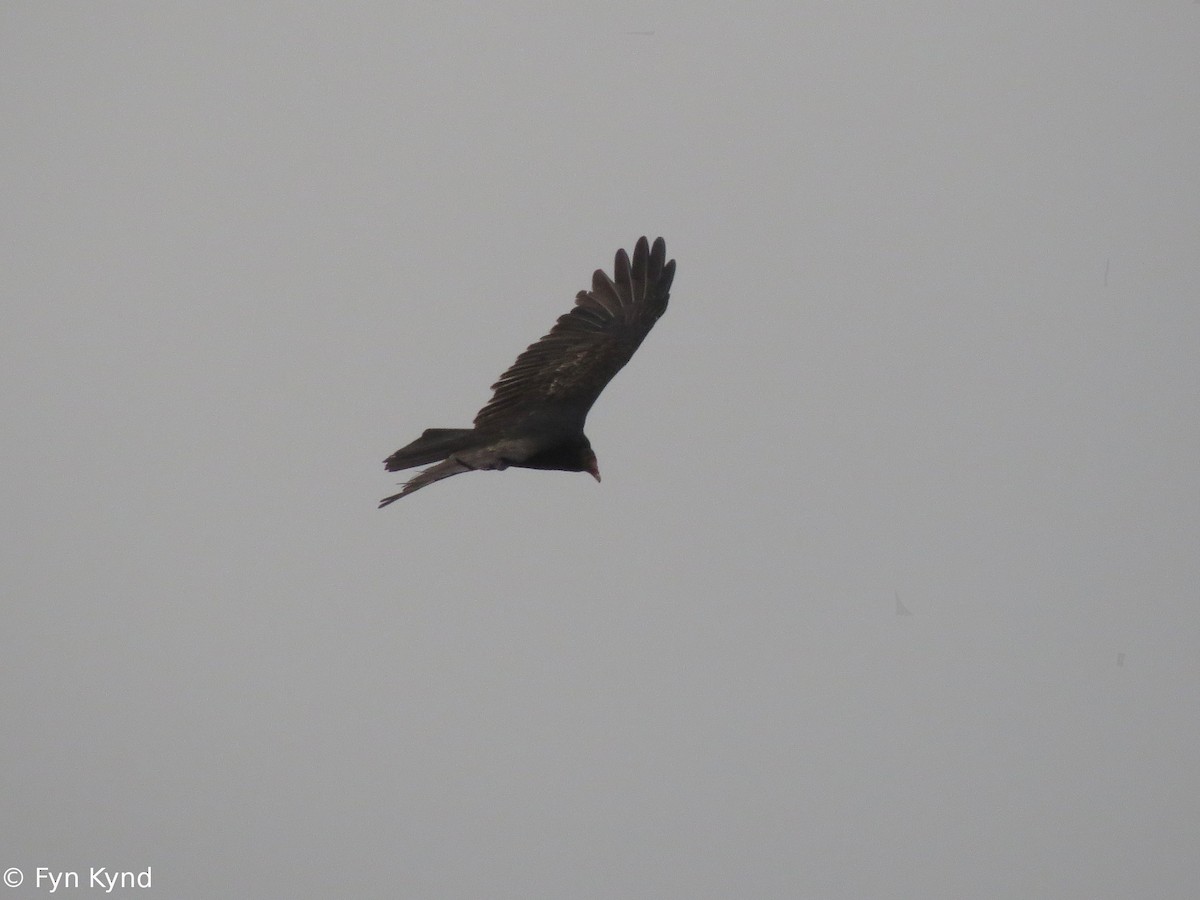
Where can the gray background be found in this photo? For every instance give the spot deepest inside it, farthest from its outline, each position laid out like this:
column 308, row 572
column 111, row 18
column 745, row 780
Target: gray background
column 933, row 337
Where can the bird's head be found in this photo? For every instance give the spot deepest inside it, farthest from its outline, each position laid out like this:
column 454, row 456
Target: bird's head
column 568, row 456
column 590, row 464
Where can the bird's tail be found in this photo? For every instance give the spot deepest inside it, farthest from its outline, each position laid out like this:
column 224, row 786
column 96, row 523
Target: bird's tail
column 434, row 445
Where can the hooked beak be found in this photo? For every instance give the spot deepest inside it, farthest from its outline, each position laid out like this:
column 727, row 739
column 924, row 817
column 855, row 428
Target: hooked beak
column 593, row 469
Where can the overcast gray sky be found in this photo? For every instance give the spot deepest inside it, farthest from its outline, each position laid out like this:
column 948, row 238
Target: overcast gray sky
column 933, row 338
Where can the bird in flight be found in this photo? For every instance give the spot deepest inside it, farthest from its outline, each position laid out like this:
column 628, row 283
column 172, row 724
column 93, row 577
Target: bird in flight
column 536, row 415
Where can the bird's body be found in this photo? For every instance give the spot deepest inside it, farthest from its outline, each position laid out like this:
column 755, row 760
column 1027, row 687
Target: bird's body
column 536, row 416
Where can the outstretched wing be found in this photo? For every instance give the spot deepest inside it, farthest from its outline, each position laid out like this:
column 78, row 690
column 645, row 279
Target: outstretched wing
column 562, row 374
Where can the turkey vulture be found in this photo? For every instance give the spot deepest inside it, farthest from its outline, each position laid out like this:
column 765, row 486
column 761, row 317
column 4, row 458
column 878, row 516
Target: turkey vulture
column 535, row 417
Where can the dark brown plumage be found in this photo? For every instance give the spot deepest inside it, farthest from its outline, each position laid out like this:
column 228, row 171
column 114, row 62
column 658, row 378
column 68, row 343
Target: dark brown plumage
column 536, row 415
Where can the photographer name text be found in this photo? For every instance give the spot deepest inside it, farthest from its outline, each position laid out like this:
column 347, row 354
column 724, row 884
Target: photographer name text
column 96, row 877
